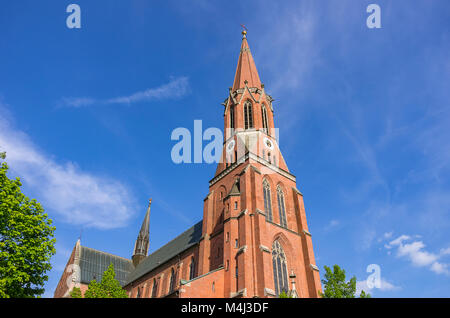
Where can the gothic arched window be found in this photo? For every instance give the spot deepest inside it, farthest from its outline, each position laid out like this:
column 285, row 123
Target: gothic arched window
column 248, row 115
column 192, row 269
column 155, row 288
column 281, row 207
column 267, row 200
column 264, row 118
column 279, row 268
column 138, row 292
column 173, row 279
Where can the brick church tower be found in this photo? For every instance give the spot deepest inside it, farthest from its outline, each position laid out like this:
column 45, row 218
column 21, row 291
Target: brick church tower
column 254, row 222
column 253, row 240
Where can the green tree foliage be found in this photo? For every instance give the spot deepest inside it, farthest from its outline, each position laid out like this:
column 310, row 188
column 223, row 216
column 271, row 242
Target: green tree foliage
column 335, row 285
column 364, row 295
column 284, row 295
column 109, row 287
column 26, row 241
column 75, row 293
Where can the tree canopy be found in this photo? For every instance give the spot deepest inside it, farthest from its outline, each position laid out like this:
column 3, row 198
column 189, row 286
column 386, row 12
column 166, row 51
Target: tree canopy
column 335, row 285
column 283, row 294
column 75, row 293
column 26, row 240
column 109, row 287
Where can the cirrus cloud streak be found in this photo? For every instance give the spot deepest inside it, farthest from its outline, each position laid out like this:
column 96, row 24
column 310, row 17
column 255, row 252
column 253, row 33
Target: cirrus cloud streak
column 175, row 89
column 78, row 197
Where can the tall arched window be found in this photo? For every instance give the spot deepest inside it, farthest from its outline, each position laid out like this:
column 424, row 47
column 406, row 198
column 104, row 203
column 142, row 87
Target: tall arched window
column 264, row 118
column 248, row 115
column 155, row 288
column 281, row 207
column 232, row 117
column 192, row 269
column 267, row 200
column 279, row 268
column 237, row 276
column 173, row 280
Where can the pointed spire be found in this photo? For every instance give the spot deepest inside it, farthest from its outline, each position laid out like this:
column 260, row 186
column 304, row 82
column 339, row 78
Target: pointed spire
column 145, row 228
column 246, row 72
column 142, row 241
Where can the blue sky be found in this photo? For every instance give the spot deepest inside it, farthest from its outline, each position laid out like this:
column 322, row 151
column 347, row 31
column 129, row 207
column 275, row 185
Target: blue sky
column 86, row 117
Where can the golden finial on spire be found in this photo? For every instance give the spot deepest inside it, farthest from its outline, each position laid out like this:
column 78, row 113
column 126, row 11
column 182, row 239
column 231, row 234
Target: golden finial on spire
column 244, row 32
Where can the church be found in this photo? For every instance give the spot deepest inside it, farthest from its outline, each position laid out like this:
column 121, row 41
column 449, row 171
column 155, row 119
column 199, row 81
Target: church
column 253, row 240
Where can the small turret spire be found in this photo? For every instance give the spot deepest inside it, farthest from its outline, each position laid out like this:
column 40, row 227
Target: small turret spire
column 143, row 239
column 293, row 292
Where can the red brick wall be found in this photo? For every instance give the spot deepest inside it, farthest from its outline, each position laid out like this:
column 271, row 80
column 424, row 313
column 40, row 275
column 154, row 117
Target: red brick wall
column 203, row 286
column 255, row 270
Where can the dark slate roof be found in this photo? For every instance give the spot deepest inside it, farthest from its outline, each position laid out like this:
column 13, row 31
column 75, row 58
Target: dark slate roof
column 179, row 244
column 94, row 263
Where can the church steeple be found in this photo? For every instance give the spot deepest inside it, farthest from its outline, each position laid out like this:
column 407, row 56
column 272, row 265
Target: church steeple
column 142, row 241
column 248, row 116
column 246, row 69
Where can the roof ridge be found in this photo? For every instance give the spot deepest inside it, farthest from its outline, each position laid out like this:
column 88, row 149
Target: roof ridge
column 174, row 247
column 175, row 238
column 105, row 252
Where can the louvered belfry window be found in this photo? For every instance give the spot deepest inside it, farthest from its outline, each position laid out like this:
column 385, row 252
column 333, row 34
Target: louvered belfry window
column 232, row 117
column 264, row 119
column 248, row 115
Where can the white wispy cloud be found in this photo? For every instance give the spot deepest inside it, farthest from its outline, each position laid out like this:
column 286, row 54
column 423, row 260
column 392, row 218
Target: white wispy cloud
column 385, row 236
column 445, row 251
column 333, row 224
column 415, row 252
column 286, row 53
column 384, row 286
column 301, row 55
column 80, row 198
column 175, row 89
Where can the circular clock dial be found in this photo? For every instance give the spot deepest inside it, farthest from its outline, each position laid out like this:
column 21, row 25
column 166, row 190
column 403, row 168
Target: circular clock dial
column 230, row 146
column 268, row 143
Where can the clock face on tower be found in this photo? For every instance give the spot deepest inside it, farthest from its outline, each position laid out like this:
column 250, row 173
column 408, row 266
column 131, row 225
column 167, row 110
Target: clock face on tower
column 268, row 144
column 230, row 146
